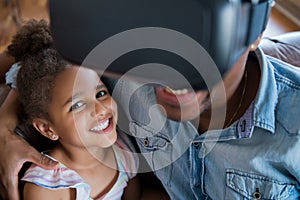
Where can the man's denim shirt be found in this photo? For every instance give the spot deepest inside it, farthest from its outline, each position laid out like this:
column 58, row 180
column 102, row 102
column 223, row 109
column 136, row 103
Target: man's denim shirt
column 257, row 157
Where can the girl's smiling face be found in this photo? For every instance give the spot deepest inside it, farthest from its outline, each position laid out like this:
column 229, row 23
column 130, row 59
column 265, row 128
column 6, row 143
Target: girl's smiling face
column 82, row 112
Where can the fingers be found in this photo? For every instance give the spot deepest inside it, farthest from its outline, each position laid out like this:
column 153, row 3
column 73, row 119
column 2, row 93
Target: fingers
column 13, row 192
column 43, row 161
column 10, row 165
column 14, row 153
column 9, row 180
column 9, row 189
column 3, row 194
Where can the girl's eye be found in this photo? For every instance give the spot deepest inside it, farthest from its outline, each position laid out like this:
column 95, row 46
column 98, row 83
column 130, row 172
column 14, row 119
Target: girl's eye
column 76, row 105
column 101, row 93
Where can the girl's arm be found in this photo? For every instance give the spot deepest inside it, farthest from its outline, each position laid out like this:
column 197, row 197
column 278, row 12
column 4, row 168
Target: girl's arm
column 35, row 192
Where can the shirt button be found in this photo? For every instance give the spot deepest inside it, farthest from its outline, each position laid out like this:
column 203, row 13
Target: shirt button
column 196, row 144
column 146, row 142
column 257, row 195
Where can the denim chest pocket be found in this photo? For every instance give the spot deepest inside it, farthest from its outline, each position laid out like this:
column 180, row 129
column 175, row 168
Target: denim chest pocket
column 156, row 149
column 243, row 185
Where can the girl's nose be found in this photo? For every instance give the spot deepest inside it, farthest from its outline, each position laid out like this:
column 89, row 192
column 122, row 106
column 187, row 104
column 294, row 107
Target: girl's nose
column 100, row 109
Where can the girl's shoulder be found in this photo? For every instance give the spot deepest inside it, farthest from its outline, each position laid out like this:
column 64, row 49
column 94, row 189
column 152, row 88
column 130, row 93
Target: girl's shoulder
column 36, row 192
column 56, row 178
column 126, row 155
column 58, row 181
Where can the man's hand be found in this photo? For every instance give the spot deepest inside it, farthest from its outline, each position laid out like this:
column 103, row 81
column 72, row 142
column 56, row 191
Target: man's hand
column 14, row 153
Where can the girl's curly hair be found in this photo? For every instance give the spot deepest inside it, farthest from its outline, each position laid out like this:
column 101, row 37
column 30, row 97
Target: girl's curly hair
column 32, row 37
column 35, row 82
column 33, row 48
column 40, row 64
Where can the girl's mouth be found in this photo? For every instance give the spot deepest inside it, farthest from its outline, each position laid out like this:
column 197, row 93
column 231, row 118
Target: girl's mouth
column 103, row 127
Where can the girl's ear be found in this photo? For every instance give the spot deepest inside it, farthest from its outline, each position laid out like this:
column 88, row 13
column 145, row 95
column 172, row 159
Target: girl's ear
column 44, row 127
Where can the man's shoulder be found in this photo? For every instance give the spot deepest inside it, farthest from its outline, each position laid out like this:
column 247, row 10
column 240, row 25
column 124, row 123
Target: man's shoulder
column 288, row 92
column 285, row 73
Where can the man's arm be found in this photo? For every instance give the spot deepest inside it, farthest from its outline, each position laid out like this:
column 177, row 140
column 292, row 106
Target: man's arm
column 6, row 62
column 14, row 150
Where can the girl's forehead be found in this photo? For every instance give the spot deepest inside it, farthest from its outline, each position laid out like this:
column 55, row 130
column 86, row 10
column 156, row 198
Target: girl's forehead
column 75, row 78
column 80, row 72
column 75, row 82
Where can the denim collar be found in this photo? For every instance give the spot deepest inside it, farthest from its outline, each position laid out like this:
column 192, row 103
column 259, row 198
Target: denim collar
column 261, row 112
column 267, row 96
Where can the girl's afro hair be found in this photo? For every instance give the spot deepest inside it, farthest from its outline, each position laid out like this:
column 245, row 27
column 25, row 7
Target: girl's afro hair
column 32, row 37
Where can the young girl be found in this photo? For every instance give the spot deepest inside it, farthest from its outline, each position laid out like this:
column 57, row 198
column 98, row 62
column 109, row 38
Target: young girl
column 70, row 104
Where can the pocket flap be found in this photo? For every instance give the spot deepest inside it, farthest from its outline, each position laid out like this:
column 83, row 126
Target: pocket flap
column 255, row 186
column 149, row 139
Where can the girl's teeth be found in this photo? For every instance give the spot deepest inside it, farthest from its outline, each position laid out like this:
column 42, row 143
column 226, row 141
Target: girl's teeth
column 101, row 126
column 176, row 92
